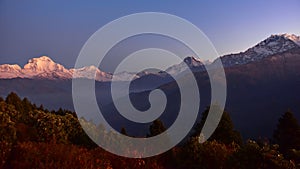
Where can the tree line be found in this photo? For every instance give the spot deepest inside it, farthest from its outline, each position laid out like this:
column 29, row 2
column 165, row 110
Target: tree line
column 34, row 137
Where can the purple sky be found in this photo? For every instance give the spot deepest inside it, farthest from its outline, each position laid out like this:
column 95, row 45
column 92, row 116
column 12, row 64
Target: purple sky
column 59, row 29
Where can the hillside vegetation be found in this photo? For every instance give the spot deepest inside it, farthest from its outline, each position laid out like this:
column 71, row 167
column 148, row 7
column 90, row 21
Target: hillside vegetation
column 34, row 137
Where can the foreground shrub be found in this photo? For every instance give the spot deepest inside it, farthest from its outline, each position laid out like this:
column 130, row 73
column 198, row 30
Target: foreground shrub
column 253, row 156
column 8, row 137
column 211, row 154
column 52, row 155
column 118, row 162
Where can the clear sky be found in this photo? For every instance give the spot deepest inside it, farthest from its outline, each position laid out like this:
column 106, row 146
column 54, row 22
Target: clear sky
column 59, row 29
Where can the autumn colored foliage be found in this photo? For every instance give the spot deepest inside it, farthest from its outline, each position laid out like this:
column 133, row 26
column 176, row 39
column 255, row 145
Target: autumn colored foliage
column 34, row 137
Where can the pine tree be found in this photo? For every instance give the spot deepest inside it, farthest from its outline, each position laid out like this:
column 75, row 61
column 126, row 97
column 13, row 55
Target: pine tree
column 287, row 134
column 27, row 106
column 156, row 128
column 41, row 107
column 123, row 131
column 14, row 99
column 60, row 112
column 225, row 131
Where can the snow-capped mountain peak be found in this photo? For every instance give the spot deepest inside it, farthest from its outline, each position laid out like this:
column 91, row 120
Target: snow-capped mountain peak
column 88, row 69
column 7, row 67
column 272, row 45
column 45, row 68
column 193, row 63
column 292, row 37
column 10, row 71
column 42, row 64
column 91, row 72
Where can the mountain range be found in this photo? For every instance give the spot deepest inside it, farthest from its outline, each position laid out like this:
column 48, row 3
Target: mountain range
column 262, row 83
column 45, row 68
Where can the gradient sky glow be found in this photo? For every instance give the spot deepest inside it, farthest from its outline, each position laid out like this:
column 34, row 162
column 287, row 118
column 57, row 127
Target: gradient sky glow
column 59, row 29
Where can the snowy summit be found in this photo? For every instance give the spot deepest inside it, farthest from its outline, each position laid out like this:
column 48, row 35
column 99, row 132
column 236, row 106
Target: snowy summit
column 272, row 45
